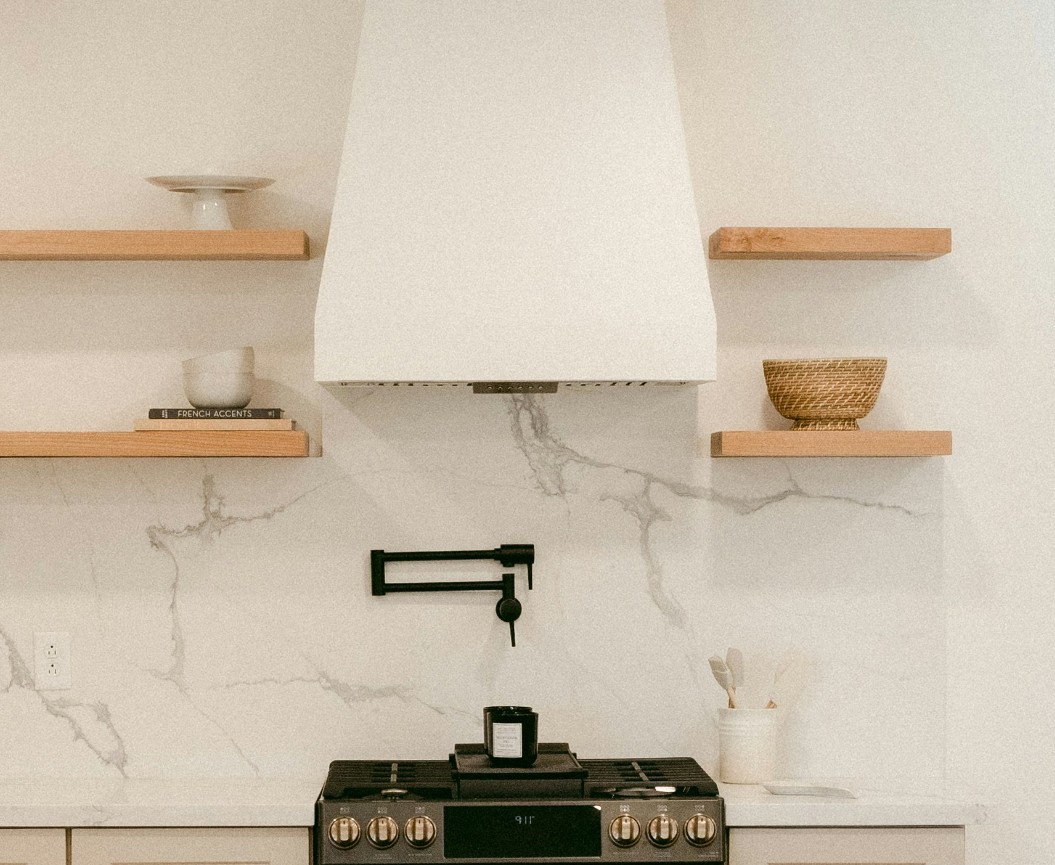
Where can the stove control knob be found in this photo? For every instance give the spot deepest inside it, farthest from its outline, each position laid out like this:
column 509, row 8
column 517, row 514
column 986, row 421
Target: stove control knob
column 700, row 830
column 624, row 831
column 382, row 832
column 662, row 830
column 420, row 832
column 344, row 832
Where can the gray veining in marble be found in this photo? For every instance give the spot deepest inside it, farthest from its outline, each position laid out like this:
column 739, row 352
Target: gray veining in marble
column 223, row 624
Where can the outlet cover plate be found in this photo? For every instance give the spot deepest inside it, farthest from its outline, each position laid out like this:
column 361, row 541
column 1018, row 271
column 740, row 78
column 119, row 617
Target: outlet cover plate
column 51, row 652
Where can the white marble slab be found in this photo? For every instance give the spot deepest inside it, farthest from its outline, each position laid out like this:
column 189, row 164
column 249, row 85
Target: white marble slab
column 222, row 623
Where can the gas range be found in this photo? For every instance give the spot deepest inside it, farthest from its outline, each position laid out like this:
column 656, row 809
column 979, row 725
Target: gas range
column 463, row 811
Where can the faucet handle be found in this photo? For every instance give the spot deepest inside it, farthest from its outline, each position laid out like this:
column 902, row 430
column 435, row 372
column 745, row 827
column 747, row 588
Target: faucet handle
column 508, row 608
column 510, row 555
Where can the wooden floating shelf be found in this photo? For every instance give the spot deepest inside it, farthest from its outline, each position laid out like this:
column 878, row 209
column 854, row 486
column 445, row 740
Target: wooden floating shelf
column 831, row 443
column 239, row 245
column 893, row 244
column 191, row 443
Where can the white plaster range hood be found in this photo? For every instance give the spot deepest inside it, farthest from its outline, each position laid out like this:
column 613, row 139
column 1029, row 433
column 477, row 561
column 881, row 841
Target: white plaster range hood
column 514, row 202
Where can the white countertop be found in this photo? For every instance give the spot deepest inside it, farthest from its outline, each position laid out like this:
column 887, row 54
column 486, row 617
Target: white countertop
column 875, row 804
column 191, row 802
column 290, row 802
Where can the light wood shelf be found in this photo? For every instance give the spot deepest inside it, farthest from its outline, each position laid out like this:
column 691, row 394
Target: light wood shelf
column 830, row 243
column 238, row 245
column 831, row 443
column 190, row 443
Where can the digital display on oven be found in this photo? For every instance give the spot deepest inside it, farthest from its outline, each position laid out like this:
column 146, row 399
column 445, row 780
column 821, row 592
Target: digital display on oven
column 521, row 832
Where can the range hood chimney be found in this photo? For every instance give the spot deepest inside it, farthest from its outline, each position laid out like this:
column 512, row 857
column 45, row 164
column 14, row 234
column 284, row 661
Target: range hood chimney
column 514, row 209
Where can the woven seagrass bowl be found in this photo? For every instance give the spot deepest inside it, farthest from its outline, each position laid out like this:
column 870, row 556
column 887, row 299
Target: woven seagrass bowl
column 825, row 393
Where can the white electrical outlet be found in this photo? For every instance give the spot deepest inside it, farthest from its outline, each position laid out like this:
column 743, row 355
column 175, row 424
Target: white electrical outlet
column 51, row 649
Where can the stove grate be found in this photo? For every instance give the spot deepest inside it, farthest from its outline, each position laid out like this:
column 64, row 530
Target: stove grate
column 682, row 773
column 360, row 779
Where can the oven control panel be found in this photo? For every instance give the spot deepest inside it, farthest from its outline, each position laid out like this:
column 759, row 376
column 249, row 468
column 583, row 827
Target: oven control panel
column 390, row 832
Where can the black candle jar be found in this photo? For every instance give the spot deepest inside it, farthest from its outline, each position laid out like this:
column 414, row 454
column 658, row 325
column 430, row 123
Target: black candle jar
column 511, row 735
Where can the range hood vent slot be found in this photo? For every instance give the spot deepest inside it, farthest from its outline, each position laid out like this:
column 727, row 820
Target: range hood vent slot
column 512, row 387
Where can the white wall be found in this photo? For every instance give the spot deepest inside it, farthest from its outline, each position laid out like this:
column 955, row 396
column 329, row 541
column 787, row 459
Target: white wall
column 911, row 113
column 98, row 96
column 218, row 605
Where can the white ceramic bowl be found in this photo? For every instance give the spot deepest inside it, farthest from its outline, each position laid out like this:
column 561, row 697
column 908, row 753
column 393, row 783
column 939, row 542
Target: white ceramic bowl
column 232, row 360
column 218, row 389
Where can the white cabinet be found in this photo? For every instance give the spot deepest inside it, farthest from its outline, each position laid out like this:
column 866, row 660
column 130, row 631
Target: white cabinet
column 189, row 846
column 847, row 846
column 32, row 847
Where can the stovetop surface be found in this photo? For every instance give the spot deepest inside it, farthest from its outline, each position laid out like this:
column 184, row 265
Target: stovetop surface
column 467, row 770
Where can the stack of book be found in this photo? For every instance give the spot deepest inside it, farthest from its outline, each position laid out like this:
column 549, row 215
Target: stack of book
column 214, row 419
column 222, row 432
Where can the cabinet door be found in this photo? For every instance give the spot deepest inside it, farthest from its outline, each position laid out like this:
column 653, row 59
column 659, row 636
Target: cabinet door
column 851, row 846
column 236, row 846
column 32, row 847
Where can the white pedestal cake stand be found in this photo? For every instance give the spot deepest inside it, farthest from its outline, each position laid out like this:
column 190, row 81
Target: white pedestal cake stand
column 209, row 210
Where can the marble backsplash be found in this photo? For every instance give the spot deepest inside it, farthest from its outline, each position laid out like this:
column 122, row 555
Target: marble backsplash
column 222, row 620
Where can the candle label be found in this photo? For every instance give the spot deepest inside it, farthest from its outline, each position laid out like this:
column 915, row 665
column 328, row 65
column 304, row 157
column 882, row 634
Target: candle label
column 507, row 741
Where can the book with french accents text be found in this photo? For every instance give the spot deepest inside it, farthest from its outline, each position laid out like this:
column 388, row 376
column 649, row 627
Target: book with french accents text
column 190, row 413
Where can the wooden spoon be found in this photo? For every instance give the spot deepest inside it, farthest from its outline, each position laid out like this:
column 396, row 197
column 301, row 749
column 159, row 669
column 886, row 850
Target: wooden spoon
column 724, row 678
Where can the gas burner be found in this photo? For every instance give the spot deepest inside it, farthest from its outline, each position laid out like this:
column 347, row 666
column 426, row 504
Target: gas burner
column 638, row 792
